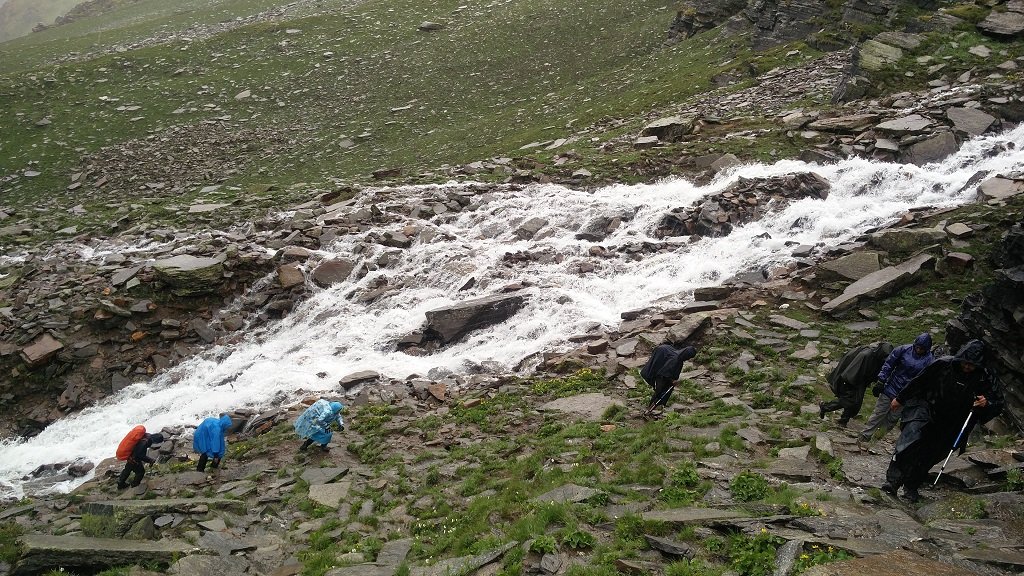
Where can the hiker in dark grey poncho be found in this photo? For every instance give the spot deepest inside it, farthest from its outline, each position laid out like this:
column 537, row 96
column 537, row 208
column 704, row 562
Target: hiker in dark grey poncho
column 850, row 378
column 662, row 370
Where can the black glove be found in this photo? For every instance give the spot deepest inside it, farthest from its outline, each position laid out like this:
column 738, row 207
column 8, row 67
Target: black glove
column 877, row 389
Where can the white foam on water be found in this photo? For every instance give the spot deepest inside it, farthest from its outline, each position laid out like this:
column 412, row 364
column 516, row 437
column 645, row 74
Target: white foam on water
column 333, row 334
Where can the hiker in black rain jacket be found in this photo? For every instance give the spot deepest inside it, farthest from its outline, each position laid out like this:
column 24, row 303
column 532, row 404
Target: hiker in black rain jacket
column 850, row 378
column 137, row 459
column 936, row 404
column 662, row 370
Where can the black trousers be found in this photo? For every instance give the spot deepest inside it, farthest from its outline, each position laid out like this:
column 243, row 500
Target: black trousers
column 129, row 468
column 662, row 392
column 847, row 405
column 849, row 401
column 909, row 467
column 203, row 459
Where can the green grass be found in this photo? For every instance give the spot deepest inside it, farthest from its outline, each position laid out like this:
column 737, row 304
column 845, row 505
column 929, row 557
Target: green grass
column 497, row 77
column 9, row 547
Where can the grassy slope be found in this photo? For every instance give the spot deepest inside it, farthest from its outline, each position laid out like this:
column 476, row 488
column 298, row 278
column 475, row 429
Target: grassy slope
column 499, row 76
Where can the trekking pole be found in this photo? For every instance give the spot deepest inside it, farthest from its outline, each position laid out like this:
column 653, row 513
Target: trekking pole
column 955, row 444
column 659, row 400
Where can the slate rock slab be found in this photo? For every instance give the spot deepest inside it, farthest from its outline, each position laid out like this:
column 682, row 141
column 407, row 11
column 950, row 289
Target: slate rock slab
column 462, row 565
column 329, row 495
column 896, row 563
column 200, row 565
column 42, row 553
column 313, row 476
column 690, row 515
column 590, row 406
column 568, row 493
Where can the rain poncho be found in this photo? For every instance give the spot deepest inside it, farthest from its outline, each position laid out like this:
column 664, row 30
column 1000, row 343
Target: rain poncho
column 315, row 422
column 209, row 437
column 852, row 374
column 666, row 362
column 936, row 404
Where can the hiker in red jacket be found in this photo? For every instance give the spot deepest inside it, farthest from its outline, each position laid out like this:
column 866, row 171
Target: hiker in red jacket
column 138, row 457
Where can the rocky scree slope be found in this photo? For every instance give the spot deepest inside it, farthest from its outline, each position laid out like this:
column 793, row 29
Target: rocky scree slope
column 554, row 474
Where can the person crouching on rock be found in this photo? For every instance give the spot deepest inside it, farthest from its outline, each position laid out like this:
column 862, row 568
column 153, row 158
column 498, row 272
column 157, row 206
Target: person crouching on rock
column 662, row 371
column 315, row 423
column 210, row 441
column 940, row 407
column 139, row 456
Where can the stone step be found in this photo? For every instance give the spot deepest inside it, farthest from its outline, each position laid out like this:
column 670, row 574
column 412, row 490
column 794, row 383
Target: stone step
column 127, row 512
column 41, row 553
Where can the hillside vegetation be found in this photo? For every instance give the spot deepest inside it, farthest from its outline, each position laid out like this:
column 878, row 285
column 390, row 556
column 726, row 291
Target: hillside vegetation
column 345, row 93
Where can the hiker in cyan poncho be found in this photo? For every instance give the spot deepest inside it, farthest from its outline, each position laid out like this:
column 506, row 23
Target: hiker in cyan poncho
column 315, row 423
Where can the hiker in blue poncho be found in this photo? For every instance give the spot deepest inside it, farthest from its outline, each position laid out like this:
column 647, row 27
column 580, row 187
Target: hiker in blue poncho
column 210, row 441
column 315, row 423
column 903, row 364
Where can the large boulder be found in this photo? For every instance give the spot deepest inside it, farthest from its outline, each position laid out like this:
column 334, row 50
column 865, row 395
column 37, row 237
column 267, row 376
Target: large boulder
column 905, row 240
column 881, row 283
column 1000, row 188
column 40, row 351
column 970, row 121
column 332, row 272
column 850, row 267
column 669, row 129
column 190, row 275
column 875, row 55
column 1007, row 24
column 932, row 149
column 450, row 323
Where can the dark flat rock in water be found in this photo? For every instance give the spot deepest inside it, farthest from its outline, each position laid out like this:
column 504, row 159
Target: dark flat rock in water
column 568, row 493
column 42, row 553
column 690, row 515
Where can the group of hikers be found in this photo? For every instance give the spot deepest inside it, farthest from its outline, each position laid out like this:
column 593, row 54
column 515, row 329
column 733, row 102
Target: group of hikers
column 938, row 400
column 209, row 440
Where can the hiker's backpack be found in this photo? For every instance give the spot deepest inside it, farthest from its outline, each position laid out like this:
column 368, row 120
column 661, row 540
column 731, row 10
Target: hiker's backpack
column 124, row 449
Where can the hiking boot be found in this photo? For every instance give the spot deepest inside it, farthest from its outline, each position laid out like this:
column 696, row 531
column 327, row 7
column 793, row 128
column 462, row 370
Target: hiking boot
column 842, row 422
column 821, row 411
column 911, row 494
column 889, row 489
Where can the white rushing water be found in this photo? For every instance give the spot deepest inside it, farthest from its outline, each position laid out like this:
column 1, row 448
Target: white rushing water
column 332, row 334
